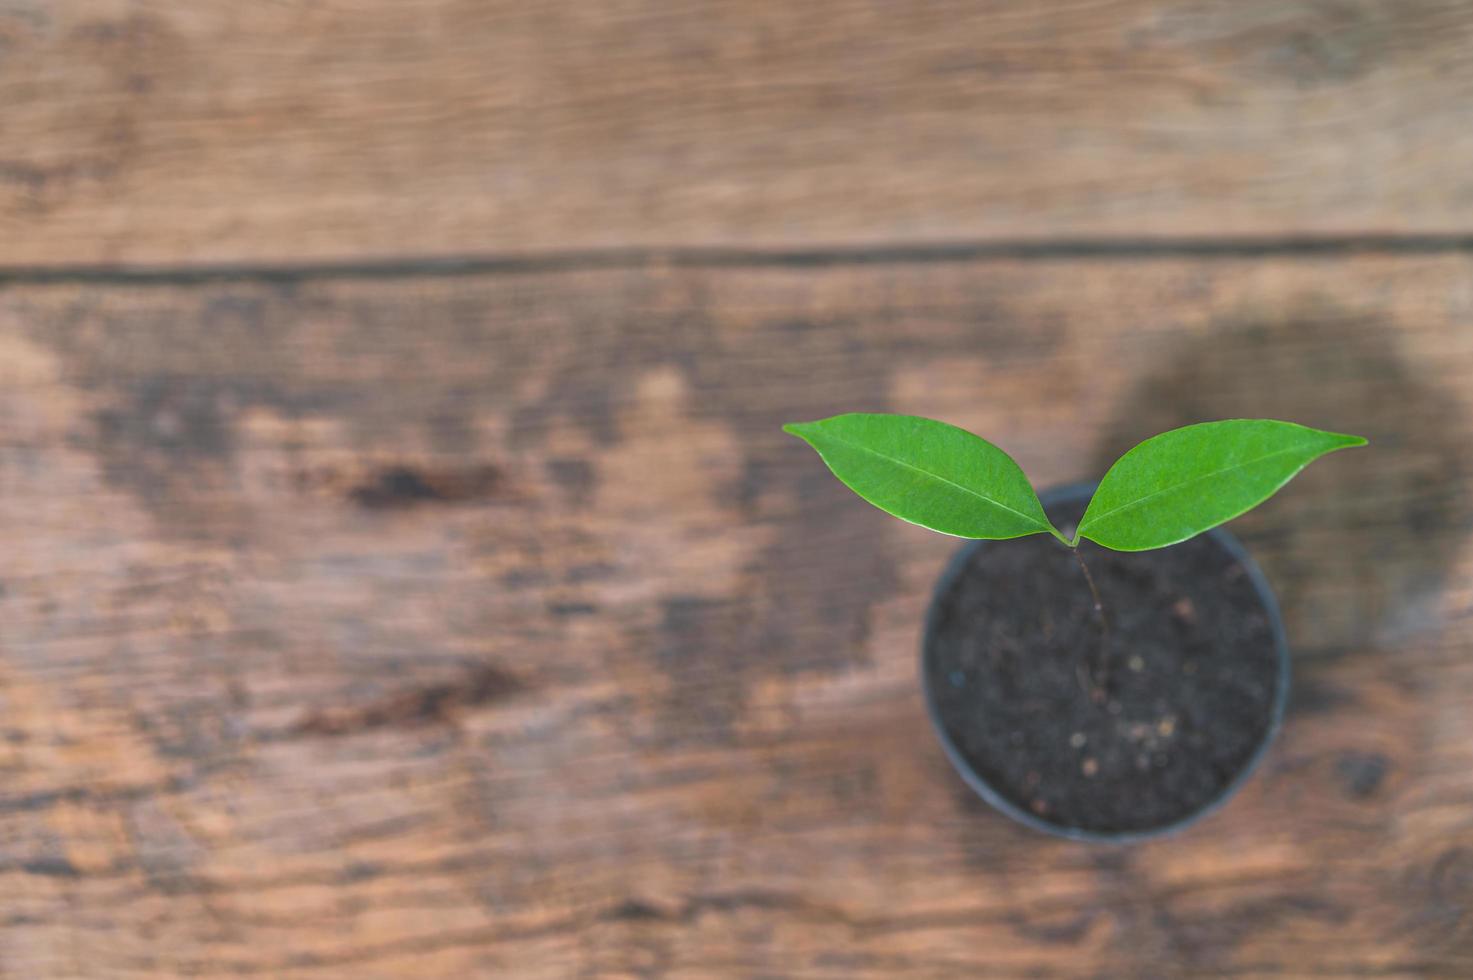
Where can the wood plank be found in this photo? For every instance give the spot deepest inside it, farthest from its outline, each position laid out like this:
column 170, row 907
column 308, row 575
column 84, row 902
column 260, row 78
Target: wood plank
column 488, row 625
column 218, row 131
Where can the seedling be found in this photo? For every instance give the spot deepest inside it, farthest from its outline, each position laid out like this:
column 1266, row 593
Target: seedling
column 1167, row 489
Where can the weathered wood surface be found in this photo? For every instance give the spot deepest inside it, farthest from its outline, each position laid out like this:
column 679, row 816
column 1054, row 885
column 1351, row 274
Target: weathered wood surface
column 217, row 130
column 488, row 625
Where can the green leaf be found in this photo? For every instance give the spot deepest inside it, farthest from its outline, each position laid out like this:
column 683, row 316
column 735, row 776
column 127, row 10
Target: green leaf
column 928, row 473
column 1182, row 482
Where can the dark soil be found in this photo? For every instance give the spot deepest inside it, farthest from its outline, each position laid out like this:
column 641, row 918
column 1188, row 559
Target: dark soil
column 1189, row 681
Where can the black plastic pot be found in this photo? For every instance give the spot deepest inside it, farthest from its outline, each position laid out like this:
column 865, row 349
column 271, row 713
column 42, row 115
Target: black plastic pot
column 1074, row 496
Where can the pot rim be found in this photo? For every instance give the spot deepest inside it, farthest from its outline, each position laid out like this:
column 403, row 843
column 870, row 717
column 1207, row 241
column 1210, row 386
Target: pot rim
column 985, row 790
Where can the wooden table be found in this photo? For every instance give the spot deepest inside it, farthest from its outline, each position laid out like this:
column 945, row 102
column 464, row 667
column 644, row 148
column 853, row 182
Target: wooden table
column 405, row 574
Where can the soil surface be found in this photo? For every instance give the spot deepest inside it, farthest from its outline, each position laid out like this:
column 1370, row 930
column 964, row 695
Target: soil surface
column 1185, row 697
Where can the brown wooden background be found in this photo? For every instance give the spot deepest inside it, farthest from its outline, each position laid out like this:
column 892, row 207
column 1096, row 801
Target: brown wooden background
column 404, row 573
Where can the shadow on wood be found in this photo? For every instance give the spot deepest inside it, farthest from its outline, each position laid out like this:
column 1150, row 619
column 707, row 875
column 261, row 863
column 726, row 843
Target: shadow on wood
column 1358, row 549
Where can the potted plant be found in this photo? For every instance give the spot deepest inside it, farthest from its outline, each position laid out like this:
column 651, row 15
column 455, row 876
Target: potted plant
column 1120, row 672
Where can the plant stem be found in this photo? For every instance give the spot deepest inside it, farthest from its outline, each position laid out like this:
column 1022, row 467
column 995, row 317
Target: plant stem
column 1102, row 655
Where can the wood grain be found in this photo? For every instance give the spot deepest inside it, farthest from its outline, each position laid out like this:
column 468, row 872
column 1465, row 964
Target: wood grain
column 218, row 131
column 488, row 625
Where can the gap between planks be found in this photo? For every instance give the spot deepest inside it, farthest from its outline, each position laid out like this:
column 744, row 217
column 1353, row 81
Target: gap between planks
column 697, row 256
